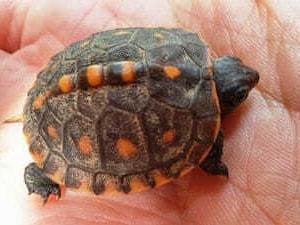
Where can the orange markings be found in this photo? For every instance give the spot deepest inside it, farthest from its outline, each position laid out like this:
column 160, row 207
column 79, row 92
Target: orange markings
column 110, row 185
column 126, row 148
column 52, row 132
column 40, row 99
column 159, row 178
column 84, row 182
column 185, row 171
column 171, row 72
column 85, row 145
column 27, row 136
column 38, row 156
column 128, row 72
column 169, row 136
column 94, row 75
column 136, row 184
column 65, row 83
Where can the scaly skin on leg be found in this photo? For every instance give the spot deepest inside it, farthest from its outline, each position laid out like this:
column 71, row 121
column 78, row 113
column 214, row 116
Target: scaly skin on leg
column 38, row 183
column 213, row 164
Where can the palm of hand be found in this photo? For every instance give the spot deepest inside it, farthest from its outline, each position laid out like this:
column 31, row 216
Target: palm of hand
column 261, row 145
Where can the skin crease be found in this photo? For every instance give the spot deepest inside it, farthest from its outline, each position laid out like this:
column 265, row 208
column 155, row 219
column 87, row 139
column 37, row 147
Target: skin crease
column 261, row 137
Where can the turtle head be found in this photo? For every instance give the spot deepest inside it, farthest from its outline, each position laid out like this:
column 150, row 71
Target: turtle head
column 234, row 80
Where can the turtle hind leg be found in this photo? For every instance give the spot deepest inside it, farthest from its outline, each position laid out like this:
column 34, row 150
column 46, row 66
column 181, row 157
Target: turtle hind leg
column 212, row 164
column 37, row 182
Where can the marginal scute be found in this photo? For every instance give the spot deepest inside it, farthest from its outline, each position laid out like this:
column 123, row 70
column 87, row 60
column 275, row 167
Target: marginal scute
column 98, row 184
column 137, row 184
column 175, row 169
column 40, row 99
column 195, row 153
column 112, row 185
column 152, row 38
column 78, row 179
column 159, row 177
column 106, row 39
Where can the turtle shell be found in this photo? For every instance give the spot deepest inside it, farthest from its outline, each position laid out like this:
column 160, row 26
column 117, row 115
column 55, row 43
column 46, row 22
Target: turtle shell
column 123, row 110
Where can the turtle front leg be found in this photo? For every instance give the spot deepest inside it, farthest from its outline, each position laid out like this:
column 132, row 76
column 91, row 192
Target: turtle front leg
column 212, row 164
column 37, row 182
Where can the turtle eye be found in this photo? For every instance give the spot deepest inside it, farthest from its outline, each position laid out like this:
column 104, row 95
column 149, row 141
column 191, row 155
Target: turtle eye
column 240, row 95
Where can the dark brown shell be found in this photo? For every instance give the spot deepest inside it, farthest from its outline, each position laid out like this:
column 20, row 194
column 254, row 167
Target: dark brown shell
column 125, row 137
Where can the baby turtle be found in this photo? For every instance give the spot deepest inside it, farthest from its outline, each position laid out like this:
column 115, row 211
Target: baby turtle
column 130, row 109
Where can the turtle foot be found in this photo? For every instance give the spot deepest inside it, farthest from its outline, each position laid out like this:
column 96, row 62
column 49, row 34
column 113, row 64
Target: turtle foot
column 212, row 163
column 37, row 182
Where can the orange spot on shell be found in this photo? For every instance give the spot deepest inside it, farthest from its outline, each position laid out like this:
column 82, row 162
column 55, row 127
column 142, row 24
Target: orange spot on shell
column 169, row 136
column 65, row 83
column 126, row 148
column 52, row 132
column 128, row 72
column 171, row 72
column 85, row 145
column 94, row 75
column 40, row 99
column 137, row 184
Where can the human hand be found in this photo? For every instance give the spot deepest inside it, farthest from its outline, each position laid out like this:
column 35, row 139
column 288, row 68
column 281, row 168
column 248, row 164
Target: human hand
column 261, row 137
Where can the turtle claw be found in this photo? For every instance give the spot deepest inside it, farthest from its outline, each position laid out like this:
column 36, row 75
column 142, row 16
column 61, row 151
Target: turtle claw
column 223, row 170
column 40, row 184
column 218, row 168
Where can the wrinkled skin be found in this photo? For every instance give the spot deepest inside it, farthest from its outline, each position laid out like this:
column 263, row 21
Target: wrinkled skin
column 262, row 141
